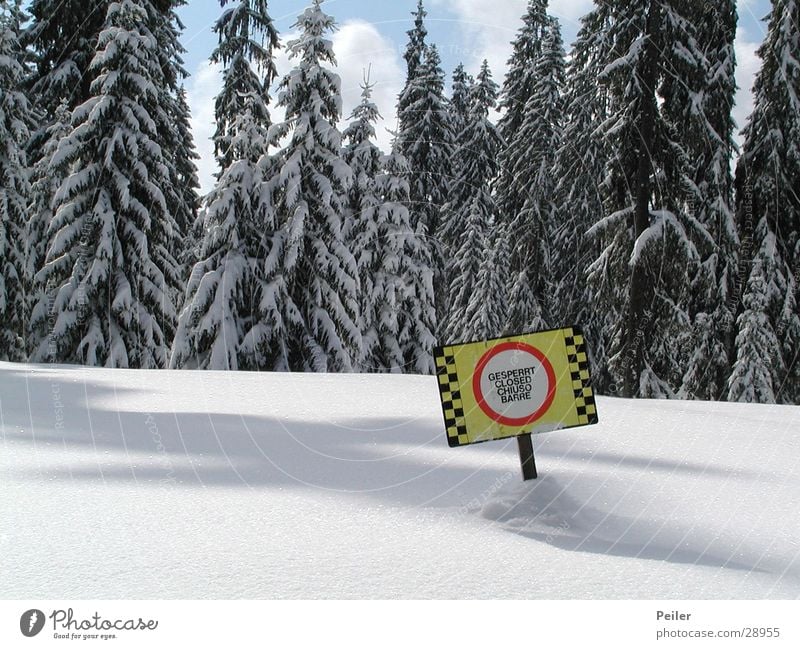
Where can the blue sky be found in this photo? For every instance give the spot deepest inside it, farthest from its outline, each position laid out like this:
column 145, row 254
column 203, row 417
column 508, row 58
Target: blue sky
column 372, row 32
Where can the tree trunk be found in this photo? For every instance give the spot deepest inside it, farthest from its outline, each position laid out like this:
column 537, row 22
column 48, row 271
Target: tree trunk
column 636, row 334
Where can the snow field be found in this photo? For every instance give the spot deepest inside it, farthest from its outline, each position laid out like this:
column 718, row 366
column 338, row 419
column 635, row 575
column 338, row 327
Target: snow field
column 163, row 484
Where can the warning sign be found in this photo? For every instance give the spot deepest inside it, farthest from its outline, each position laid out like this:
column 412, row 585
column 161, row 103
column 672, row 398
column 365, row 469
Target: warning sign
column 513, row 386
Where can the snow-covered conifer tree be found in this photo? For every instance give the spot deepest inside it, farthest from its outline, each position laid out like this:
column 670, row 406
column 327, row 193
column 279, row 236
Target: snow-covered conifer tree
column 759, row 359
column 459, row 106
column 63, row 49
column 47, row 177
column 187, row 179
column 464, row 265
column 427, row 143
column 520, row 78
column 578, row 170
column 531, row 228
column 460, row 100
column 517, row 91
column 646, row 243
column 476, row 151
column 63, row 34
column 768, row 210
column 708, row 198
column 14, row 186
column 410, row 96
column 361, row 219
column 221, row 306
column 487, row 311
column 108, row 266
column 470, row 213
column 175, row 134
column 364, row 158
column 404, row 280
column 415, row 51
column 320, row 271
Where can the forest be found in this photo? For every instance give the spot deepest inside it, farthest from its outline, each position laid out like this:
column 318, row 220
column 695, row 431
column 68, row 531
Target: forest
column 597, row 184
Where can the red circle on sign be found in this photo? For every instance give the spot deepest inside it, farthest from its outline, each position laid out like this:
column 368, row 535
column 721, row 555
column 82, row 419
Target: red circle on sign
column 496, row 416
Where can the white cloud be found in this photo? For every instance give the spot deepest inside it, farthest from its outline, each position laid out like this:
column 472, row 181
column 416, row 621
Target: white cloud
column 570, row 11
column 357, row 45
column 486, row 29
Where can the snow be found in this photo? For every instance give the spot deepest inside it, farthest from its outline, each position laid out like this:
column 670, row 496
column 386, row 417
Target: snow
column 166, row 484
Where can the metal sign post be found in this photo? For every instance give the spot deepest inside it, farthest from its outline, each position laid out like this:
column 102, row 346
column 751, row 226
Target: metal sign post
column 526, row 459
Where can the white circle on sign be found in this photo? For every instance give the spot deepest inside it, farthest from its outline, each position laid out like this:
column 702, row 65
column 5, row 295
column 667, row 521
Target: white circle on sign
column 514, row 384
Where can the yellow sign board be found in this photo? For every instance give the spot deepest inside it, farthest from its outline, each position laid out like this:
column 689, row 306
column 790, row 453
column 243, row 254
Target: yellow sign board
column 507, row 387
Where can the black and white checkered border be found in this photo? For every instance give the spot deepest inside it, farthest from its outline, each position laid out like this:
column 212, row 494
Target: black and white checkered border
column 449, row 388
column 581, row 380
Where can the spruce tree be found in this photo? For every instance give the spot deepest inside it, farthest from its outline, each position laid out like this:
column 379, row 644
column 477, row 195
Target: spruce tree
column 361, row 219
column 708, row 196
column 397, row 295
column 64, row 49
column 579, row 166
column 460, row 101
column 517, row 91
column 405, row 259
column 187, row 179
column 176, row 139
column 487, row 311
column 427, row 144
column 410, row 96
column 768, row 210
column 476, row 152
column 520, row 78
column 47, row 177
column 320, row 271
column 470, row 213
column 15, row 186
column 459, row 106
column 364, row 158
column 647, row 238
column 108, row 267
column 60, row 51
column 759, row 361
column 532, row 227
column 221, row 306
column 464, row 268
column 415, row 51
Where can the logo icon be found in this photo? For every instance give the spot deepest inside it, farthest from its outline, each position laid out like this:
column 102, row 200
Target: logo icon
column 31, row 622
